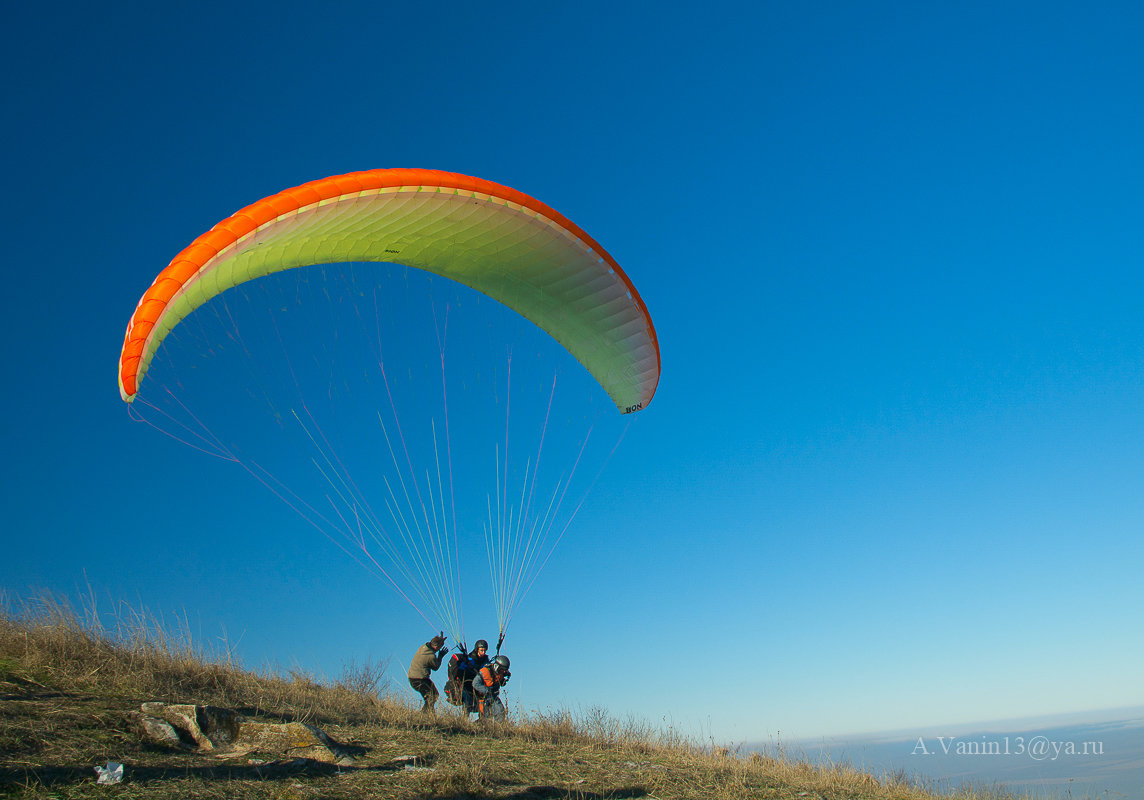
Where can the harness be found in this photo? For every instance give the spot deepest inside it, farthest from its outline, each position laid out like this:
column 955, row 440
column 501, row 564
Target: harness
column 491, row 677
column 493, row 680
column 463, row 669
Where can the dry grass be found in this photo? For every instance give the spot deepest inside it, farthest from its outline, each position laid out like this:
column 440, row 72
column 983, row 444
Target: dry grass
column 67, row 683
column 141, row 657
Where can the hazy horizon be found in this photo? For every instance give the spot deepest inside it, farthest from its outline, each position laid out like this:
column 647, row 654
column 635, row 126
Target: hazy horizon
column 1076, row 754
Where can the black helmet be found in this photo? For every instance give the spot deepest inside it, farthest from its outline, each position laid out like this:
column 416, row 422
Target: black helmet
column 501, row 663
column 481, row 643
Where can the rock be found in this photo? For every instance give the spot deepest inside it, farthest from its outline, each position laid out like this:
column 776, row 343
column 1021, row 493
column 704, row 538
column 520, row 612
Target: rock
column 182, row 716
column 209, row 727
column 156, row 731
column 293, row 739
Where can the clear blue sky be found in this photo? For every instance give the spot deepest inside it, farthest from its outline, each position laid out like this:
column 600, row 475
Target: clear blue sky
column 892, row 475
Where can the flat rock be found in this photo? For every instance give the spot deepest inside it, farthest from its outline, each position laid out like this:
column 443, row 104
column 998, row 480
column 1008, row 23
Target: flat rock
column 292, row 739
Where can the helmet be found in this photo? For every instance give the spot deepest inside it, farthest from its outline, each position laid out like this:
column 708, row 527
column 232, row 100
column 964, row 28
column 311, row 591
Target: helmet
column 501, row 663
column 481, row 643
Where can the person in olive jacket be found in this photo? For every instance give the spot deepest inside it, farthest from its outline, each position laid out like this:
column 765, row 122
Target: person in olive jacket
column 427, row 659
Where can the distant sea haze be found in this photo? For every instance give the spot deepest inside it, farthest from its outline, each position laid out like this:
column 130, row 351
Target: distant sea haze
column 1097, row 754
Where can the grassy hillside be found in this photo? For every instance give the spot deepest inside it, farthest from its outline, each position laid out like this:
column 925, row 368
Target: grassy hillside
column 68, row 686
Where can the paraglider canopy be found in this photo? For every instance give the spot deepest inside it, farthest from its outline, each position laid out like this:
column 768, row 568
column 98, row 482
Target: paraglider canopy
column 494, row 239
column 330, row 381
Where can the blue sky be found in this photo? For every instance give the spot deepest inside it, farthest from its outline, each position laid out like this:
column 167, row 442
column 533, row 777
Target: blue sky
column 892, row 473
